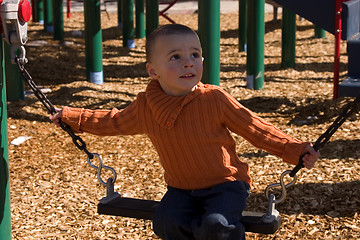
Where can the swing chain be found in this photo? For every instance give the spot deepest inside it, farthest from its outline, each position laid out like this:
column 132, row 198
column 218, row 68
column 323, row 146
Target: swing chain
column 321, row 141
column 77, row 140
column 348, row 110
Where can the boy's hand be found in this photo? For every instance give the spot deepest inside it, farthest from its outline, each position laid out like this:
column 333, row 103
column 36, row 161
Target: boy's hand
column 310, row 157
column 56, row 117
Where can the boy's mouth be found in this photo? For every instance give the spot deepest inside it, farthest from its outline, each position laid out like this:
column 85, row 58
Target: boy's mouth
column 189, row 75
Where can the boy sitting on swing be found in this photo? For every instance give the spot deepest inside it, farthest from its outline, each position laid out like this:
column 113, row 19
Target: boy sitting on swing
column 189, row 124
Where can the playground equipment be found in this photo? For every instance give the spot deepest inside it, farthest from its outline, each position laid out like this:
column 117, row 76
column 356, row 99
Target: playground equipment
column 114, row 204
column 340, row 17
column 163, row 12
column 14, row 17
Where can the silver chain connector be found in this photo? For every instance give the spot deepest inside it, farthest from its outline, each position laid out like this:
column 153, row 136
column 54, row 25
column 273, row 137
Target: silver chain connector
column 100, row 167
column 282, row 185
column 21, row 58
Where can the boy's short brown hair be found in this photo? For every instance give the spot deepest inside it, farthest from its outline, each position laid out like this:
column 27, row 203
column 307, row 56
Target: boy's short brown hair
column 165, row 30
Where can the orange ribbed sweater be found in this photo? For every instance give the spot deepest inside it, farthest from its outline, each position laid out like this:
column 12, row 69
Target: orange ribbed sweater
column 190, row 133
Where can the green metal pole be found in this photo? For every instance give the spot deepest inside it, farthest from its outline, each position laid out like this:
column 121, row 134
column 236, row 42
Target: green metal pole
column 58, row 13
column 128, row 27
column 14, row 82
column 288, row 39
column 48, row 19
column 255, row 46
column 242, row 25
column 119, row 13
column 40, row 11
column 93, row 41
column 209, row 33
column 319, row 32
column 5, row 213
column 152, row 15
column 140, row 19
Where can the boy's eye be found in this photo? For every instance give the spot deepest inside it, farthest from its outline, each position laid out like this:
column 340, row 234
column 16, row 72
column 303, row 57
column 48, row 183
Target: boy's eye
column 195, row 55
column 174, row 57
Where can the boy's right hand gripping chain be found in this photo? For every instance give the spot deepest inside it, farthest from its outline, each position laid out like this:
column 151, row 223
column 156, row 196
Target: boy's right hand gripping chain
column 325, row 137
column 321, row 141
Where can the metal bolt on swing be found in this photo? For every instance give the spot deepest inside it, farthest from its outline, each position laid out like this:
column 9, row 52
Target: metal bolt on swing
column 271, row 213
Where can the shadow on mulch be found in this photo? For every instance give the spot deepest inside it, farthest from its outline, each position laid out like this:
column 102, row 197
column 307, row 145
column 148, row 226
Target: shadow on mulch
column 65, row 96
column 313, row 111
column 333, row 199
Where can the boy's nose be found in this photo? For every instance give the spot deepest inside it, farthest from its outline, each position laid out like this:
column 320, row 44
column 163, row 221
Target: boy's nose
column 188, row 63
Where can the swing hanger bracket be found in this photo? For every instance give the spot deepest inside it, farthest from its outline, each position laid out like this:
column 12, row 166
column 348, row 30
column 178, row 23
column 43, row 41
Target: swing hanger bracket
column 14, row 17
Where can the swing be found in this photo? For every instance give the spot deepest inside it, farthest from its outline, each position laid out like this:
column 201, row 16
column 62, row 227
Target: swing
column 114, row 204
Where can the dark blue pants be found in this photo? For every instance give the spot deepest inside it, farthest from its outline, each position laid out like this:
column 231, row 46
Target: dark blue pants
column 206, row 214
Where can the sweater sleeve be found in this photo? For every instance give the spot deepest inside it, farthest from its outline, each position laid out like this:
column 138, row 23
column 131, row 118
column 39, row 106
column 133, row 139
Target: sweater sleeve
column 104, row 122
column 257, row 131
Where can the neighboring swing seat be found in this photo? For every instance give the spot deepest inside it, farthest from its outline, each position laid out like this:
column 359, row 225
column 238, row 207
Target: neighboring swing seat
column 144, row 209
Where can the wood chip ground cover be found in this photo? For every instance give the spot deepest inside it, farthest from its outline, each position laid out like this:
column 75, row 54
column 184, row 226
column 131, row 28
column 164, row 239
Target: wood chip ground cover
column 54, row 193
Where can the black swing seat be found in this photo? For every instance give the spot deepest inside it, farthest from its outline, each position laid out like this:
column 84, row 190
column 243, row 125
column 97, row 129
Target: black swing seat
column 144, row 209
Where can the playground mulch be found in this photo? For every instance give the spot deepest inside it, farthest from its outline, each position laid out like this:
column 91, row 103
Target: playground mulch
column 54, row 193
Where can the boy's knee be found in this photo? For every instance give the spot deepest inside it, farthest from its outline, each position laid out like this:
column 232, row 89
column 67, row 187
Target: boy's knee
column 216, row 222
column 216, row 226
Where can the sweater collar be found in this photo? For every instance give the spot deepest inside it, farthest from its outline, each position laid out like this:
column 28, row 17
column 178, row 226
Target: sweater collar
column 166, row 108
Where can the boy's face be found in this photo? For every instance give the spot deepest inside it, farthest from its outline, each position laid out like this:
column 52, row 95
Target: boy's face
column 176, row 63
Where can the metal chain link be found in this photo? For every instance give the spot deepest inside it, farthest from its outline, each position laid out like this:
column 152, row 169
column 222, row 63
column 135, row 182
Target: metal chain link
column 77, row 140
column 348, row 110
column 321, row 141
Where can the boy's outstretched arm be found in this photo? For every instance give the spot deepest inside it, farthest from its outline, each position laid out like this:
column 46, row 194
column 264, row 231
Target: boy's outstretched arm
column 310, row 156
column 55, row 118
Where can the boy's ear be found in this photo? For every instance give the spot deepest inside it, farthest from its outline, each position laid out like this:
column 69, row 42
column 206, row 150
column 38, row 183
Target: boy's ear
column 151, row 71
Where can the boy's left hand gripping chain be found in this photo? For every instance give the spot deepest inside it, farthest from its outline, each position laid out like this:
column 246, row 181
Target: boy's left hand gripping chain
column 79, row 143
column 14, row 17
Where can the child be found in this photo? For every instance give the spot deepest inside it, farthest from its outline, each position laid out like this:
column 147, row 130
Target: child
column 189, row 123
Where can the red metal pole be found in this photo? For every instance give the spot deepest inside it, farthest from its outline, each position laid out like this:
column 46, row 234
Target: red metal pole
column 68, row 8
column 338, row 12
